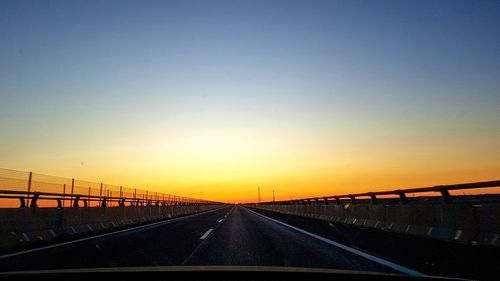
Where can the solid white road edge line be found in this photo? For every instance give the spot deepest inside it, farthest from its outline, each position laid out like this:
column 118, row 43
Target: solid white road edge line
column 373, row 258
column 151, row 225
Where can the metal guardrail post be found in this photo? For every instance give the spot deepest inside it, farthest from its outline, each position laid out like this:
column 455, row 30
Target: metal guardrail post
column 75, row 202
column 22, row 202
column 446, row 196
column 64, row 195
column 29, row 187
column 402, row 197
column 72, row 188
column 337, row 200
column 34, row 200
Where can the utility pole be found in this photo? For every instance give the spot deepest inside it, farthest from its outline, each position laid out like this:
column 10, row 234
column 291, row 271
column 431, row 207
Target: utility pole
column 273, row 195
column 258, row 194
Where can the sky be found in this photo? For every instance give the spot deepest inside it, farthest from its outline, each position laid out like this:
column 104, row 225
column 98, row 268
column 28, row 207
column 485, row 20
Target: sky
column 211, row 99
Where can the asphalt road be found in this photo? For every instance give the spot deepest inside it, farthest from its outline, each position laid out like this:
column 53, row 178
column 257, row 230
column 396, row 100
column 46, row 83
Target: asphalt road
column 245, row 238
column 226, row 236
column 237, row 235
column 166, row 243
column 430, row 256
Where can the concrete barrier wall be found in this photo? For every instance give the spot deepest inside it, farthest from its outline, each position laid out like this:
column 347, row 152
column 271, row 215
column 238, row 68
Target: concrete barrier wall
column 22, row 226
column 471, row 224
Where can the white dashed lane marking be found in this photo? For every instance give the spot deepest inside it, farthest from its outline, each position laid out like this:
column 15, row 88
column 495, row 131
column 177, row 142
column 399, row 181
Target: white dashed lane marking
column 206, row 234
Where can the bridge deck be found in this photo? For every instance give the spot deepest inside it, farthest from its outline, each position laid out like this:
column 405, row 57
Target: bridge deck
column 241, row 236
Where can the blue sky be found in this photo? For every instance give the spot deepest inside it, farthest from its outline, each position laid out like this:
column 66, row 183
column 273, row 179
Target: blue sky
column 107, row 74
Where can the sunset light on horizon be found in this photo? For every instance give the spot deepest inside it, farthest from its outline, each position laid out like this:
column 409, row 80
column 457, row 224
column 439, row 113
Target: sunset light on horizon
column 307, row 98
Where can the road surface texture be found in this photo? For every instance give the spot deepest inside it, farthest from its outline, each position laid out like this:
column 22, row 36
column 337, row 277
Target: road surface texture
column 243, row 236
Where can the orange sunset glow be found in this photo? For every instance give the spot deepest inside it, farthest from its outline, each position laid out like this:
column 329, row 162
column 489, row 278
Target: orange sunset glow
column 306, row 103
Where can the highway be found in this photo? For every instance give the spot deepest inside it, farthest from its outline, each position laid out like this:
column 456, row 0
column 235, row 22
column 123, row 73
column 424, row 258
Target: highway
column 236, row 235
column 247, row 238
column 226, row 236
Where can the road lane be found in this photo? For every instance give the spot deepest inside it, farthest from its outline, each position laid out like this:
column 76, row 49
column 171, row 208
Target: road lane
column 430, row 256
column 349, row 249
column 227, row 236
column 245, row 238
column 168, row 243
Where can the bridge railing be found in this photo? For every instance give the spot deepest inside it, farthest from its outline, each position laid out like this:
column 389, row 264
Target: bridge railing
column 436, row 212
column 398, row 195
column 28, row 189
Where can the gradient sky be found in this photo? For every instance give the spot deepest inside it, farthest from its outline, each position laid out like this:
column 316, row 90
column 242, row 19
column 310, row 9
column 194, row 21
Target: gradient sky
column 211, row 99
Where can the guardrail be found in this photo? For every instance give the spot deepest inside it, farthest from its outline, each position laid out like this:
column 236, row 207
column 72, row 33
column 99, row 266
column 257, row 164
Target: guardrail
column 449, row 216
column 399, row 193
column 31, row 188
